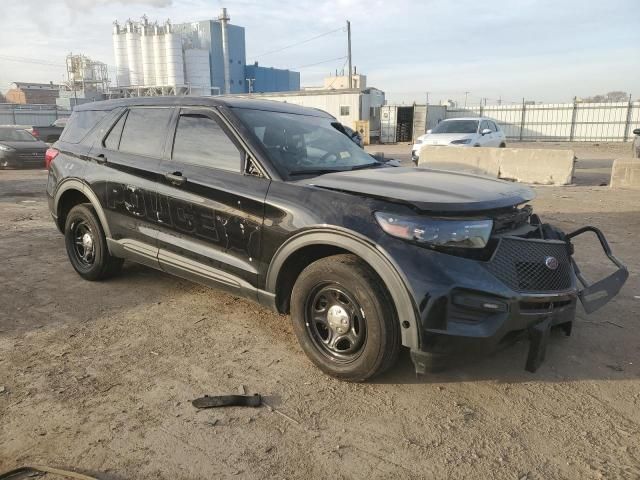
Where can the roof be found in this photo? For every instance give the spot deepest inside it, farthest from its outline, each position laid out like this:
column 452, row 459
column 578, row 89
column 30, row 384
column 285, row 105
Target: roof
column 40, row 86
column 217, row 101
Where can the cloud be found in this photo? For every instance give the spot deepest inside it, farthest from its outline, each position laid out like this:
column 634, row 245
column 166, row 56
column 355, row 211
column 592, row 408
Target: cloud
column 86, row 5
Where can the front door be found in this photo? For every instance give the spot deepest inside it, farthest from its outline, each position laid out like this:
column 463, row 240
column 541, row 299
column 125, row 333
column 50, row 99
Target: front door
column 216, row 210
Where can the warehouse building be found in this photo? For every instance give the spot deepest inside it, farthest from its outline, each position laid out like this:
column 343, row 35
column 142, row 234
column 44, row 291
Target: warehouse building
column 199, row 58
column 34, row 93
column 353, row 107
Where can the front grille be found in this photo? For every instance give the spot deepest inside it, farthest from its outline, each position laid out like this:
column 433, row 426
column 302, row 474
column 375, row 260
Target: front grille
column 520, row 264
column 31, row 157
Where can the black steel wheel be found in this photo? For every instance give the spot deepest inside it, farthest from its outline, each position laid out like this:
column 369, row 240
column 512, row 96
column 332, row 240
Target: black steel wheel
column 335, row 322
column 87, row 246
column 344, row 318
column 83, row 242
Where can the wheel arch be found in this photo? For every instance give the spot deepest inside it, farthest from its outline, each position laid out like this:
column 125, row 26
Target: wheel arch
column 331, row 241
column 72, row 192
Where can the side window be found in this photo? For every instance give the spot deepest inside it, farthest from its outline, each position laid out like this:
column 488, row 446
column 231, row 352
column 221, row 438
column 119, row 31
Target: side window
column 145, row 130
column 112, row 141
column 493, row 126
column 483, row 125
column 201, row 141
column 80, row 124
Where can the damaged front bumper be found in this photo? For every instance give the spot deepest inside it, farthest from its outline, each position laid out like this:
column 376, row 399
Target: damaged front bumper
column 464, row 322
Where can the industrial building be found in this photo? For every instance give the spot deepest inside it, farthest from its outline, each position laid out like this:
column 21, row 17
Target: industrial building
column 38, row 93
column 87, row 81
column 197, row 58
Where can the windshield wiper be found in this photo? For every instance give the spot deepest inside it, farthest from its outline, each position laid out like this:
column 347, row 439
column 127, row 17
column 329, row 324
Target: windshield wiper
column 367, row 165
column 319, row 171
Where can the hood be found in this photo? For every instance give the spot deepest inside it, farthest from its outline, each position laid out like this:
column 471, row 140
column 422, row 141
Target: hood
column 426, row 189
column 444, row 138
column 38, row 145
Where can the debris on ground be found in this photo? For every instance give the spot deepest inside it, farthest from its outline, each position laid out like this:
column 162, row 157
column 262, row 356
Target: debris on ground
column 214, row 401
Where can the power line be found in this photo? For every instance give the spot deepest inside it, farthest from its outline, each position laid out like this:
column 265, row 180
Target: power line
column 298, row 43
column 34, row 61
column 319, row 63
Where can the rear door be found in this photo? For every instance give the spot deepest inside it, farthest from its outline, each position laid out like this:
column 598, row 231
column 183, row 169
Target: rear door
column 216, row 209
column 127, row 178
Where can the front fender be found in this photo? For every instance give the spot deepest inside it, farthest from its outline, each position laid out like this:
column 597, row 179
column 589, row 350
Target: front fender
column 376, row 257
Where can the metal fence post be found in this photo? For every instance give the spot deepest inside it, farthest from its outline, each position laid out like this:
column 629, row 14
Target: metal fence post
column 574, row 112
column 13, row 111
column 522, row 118
column 627, row 125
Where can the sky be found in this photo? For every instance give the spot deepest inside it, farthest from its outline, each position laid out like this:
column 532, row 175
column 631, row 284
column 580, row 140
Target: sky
column 540, row 50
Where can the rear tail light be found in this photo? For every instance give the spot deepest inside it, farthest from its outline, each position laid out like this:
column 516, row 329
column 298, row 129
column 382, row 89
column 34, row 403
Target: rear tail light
column 35, row 132
column 49, row 155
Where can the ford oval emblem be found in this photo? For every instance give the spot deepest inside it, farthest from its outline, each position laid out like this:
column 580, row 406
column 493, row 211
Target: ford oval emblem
column 551, row 263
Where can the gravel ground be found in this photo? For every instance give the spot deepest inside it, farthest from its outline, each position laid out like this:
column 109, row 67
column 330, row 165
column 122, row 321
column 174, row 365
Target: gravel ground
column 99, row 376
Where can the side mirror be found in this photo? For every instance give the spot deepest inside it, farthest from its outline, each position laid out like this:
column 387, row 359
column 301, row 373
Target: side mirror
column 429, row 131
column 486, row 131
column 636, row 131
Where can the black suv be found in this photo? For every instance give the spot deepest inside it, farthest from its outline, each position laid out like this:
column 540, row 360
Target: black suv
column 276, row 203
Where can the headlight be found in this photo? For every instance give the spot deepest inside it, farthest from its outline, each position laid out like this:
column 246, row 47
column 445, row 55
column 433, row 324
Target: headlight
column 461, row 142
column 437, row 232
column 4, row 148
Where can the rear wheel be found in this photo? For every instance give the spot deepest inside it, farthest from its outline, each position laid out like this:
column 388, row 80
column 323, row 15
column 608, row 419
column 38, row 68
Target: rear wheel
column 87, row 245
column 503, row 145
column 343, row 317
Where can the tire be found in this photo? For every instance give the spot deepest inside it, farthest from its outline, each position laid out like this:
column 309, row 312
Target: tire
column 503, row 145
column 339, row 289
column 89, row 256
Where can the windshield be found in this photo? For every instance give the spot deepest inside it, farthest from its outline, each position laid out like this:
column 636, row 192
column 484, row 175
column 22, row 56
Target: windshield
column 304, row 145
column 456, row 126
column 11, row 135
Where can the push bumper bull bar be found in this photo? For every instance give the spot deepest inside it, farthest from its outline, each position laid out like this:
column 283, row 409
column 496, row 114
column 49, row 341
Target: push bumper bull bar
column 592, row 296
column 596, row 295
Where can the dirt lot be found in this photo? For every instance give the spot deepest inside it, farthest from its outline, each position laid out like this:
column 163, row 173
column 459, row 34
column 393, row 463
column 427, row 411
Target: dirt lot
column 99, row 376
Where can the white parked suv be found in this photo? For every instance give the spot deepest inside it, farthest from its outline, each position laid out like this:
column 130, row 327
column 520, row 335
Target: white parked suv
column 462, row 132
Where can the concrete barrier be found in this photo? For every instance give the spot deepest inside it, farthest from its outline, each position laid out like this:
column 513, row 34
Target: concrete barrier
column 625, row 173
column 527, row 165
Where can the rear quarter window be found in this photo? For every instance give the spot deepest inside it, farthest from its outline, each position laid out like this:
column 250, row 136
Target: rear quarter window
column 145, row 131
column 80, row 124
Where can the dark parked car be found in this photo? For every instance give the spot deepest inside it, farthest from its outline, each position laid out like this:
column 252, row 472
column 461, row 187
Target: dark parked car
column 635, row 148
column 50, row 133
column 273, row 202
column 19, row 149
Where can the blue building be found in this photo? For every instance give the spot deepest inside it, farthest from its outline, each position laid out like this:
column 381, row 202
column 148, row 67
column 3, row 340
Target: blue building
column 269, row 79
column 208, row 35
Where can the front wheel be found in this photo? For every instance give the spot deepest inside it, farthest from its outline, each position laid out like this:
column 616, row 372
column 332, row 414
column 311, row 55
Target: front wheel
column 343, row 317
column 87, row 246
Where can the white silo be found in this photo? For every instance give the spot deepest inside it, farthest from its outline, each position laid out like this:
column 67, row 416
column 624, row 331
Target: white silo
column 134, row 54
column 120, row 53
column 175, row 62
column 198, row 73
column 146, row 49
column 159, row 56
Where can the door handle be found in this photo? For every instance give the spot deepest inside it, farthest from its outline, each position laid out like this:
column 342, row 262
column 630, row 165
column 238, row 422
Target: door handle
column 175, row 178
column 101, row 158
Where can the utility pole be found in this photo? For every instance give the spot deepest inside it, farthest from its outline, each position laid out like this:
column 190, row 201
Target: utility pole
column 427, row 98
column 466, row 94
column 349, row 52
